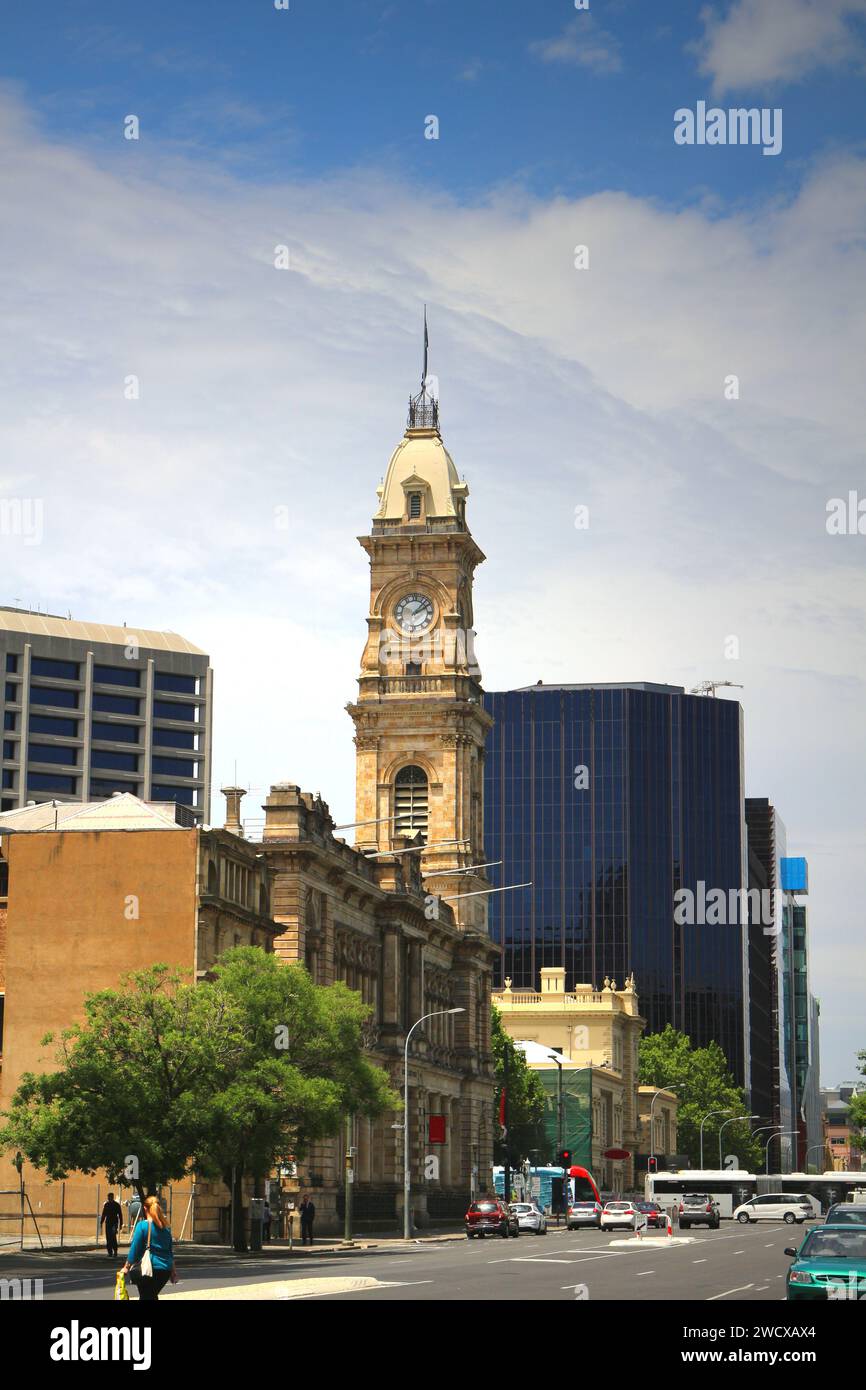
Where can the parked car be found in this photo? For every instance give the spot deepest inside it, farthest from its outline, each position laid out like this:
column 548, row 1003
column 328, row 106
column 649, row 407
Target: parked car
column 830, row 1264
column 699, row 1209
column 491, row 1217
column 653, row 1213
column 846, row 1214
column 529, row 1217
column 774, row 1206
column 615, row 1215
column 583, row 1214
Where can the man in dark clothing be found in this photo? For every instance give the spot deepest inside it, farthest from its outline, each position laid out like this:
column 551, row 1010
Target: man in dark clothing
column 308, row 1216
column 112, row 1219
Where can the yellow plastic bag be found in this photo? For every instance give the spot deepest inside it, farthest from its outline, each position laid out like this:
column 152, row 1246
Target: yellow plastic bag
column 121, row 1292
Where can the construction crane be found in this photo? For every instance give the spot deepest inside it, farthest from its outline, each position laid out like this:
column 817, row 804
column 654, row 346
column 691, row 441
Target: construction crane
column 710, row 687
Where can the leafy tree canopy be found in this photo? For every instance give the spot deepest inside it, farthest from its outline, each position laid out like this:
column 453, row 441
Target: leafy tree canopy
column 857, row 1108
column 230, row 1075
column 526, row 1100
column 700, row 1079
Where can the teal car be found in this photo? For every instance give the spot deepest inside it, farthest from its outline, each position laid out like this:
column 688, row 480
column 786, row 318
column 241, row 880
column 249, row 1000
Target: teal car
column 830, row 1263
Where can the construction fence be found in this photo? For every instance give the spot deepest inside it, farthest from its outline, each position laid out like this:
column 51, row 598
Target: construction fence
column 51, row 1215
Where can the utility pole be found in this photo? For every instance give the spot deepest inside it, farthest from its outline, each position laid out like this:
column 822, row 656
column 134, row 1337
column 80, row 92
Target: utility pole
column 350, row 1180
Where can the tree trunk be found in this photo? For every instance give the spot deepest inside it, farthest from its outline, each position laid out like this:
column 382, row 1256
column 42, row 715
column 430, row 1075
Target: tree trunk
column 240, row 1239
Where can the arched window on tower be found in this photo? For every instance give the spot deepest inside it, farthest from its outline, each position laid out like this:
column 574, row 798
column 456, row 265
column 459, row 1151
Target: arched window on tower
column 411, row 802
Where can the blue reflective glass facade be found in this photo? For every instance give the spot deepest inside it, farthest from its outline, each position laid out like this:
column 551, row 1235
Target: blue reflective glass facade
column 609, row 800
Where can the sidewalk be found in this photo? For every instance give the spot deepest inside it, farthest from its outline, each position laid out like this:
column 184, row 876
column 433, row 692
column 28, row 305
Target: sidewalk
column 275, row 1249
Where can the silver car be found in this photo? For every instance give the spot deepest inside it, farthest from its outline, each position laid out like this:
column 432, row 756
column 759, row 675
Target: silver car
column 529, row 1217
column 583, row 1214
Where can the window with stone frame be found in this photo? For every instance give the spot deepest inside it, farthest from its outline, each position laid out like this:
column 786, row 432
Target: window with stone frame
column 357, row 964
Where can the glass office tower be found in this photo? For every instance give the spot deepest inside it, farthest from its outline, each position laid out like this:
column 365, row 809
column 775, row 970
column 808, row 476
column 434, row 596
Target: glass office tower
column 610, row 799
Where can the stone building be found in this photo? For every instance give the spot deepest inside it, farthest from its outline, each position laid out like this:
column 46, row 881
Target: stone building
column 365, row 921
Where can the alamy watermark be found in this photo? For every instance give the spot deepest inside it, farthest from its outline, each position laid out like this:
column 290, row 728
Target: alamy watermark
column 20, row 1290
column 23, row 517
column 453, row 647
column 720, row 907
column 739, row 125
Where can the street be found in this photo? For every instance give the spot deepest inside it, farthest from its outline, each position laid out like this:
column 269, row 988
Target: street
column 735, row 1263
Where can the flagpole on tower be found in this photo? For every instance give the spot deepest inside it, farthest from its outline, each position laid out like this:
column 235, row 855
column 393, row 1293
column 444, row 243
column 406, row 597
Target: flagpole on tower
column 426, row 346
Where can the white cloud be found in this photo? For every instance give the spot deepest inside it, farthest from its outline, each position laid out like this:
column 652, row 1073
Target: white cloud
column 263, row 389
column 759, row 42
column 584, row 44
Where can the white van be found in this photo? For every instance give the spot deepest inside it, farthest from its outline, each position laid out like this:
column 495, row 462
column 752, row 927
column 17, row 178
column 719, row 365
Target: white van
column 806, row 1198
column 775, row 1206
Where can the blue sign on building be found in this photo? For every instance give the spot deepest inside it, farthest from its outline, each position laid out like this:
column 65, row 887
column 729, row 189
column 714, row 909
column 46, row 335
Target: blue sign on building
column 795, row 876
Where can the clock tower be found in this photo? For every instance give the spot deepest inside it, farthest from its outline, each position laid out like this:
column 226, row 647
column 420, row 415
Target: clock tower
column 420, row 725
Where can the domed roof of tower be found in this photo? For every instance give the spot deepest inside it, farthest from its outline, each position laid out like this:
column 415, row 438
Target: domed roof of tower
column 422, row 465
column 422, row 485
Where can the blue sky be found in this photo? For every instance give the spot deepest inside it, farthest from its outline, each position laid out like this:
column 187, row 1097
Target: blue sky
column 268, row 393
column 564, row 102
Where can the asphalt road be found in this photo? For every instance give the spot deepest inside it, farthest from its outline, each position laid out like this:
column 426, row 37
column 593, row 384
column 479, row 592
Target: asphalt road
column 736, row 1263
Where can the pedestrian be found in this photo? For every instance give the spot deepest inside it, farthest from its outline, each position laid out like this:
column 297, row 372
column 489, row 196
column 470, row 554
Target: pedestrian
column 266, row 1222
column 133, row 1211
column 151, row 1249
column 112, row 1220
column 308, row 1216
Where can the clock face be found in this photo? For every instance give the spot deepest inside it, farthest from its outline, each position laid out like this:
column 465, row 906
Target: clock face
column 414, row 613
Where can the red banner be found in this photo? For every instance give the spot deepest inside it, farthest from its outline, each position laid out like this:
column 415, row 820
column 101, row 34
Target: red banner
column 436, row 1128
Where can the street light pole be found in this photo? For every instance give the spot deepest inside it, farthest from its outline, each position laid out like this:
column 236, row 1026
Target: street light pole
column 731, row 1121
column 809, row 1150
column 407, row 1170
column 658, row 1093
column 708, row 1115
column 780, row 1133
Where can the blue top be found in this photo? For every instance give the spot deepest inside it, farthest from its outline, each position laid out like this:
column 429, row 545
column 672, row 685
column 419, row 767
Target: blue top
column 160, row 1245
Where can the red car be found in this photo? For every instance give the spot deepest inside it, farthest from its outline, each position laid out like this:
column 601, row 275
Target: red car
column 653, row 1213
column 490, row 1217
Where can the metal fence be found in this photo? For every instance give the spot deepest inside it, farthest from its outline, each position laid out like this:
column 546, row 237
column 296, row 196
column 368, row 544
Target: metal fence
column 51, row 1215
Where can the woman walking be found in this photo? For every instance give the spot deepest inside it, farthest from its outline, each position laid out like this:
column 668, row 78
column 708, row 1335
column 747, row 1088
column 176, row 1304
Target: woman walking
column 152, row 1245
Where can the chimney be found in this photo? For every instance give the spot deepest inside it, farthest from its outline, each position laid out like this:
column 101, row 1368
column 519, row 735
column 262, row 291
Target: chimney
column 233, row 797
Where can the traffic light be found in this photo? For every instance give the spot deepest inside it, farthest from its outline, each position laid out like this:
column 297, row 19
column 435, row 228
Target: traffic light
column 652, row 1165
column 564, row 1158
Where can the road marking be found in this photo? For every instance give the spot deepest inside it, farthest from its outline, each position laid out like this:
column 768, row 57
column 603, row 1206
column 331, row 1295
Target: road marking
column 742, row 1289
column 293, row 1288
column 643, row 1272
column 770, row 1246
column 700, row 1262
column 739, row 1252
column 539, row 1260
column 761, row 1288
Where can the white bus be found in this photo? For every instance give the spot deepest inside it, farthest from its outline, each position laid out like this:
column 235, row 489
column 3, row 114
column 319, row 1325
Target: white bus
column 729, row 1186
column 827, row 1188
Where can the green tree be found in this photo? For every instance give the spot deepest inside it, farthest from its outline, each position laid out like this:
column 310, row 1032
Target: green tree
column 224, row 1078
column 857, row 1109
column 302, row 1068
column 702, row 1082
column 526, row 1100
